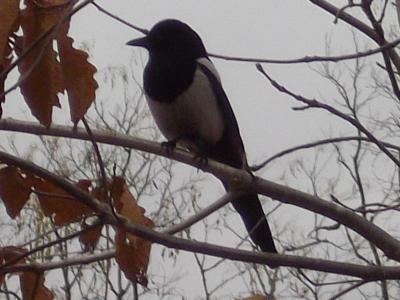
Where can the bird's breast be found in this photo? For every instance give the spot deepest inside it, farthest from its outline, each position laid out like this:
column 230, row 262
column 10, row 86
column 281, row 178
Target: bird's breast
column 193, row 114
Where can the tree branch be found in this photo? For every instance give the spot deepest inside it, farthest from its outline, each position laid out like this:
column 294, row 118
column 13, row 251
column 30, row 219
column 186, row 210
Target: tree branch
column 316, row 104
column 318, row 143
column 354, row 22
column 384, row 241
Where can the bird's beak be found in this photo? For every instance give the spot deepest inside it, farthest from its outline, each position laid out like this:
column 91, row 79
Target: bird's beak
column 140, row 42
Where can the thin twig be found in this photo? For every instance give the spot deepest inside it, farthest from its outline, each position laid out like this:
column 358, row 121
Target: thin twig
column 349, row 289
column 47, row 245
column 103, row 10
column 314, row 103
column 306, row 59
column 105, row 190
column 310, row 59
column 229, row 197
column 315, row 144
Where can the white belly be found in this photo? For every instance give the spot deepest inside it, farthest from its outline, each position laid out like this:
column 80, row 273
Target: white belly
column 195, row 113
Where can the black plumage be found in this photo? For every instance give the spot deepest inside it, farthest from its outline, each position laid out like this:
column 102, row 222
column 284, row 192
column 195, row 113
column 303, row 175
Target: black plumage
column 189, row 105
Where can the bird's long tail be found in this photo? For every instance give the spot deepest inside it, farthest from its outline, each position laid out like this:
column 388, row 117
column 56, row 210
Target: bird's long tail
column 250, row 209
column 230, row 150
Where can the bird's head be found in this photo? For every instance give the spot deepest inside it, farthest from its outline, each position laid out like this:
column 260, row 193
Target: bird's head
column 171, row 38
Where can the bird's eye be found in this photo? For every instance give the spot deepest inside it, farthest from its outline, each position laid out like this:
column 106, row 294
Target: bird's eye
column 160, row 40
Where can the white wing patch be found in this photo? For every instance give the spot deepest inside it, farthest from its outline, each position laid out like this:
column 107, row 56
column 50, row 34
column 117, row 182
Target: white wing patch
column 210, row 66
column 194, row 113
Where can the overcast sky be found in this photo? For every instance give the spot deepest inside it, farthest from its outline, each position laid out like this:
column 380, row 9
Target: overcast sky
column 268, row 29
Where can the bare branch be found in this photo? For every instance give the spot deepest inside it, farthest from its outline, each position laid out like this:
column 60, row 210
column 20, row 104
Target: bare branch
column 384, row 241
column 312, row 103
column 229, row 197
column 318, row 143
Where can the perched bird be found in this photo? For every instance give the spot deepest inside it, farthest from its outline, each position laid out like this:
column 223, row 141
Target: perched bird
column 186, row 98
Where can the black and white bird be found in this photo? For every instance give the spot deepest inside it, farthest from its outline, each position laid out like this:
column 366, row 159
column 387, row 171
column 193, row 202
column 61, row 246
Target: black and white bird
column 186, row 98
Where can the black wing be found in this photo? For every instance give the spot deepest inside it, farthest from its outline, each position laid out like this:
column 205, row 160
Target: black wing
column 230, row 149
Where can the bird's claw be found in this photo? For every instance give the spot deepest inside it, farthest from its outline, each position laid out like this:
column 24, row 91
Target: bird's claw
column 248, row 170
column 202, row 159
column 169, row 146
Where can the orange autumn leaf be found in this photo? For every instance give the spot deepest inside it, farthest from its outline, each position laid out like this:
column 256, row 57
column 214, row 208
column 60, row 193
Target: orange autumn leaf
column 126, row 204
column 32, row 284
column 132, row 258
column 8, row 16
column 8, row 19
column 8, row 254
column 117, row 189
column 42, row 72
column 50, row 68
column 132, row 252
column 78, row 75
column 32, row 287
column 54, row 201
column 4, row 65
column 50, row 3
column 14, row 190
column 90, row 238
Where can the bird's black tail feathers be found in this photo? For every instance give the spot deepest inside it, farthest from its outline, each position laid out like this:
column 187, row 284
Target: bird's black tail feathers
column 230, row 151
column 250, row 209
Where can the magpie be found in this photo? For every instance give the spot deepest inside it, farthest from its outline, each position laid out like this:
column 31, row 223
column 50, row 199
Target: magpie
column 185, row 96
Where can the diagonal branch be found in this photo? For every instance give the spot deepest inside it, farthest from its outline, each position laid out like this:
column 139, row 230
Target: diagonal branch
column 316, row 104
column 383, row 240
column 319, row 143
column 322, row 265
column 364, row 28
column 229, row 197
column 310, row 59
column 305, row 59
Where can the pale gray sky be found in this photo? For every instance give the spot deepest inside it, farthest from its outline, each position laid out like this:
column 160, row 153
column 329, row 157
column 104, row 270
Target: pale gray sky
column 268, row 29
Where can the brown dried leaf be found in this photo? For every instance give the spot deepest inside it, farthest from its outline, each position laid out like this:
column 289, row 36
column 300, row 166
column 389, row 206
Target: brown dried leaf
column 132, row 252
column 33, row 288
column 8, row 19
column 14, row 190
column 126, row 205
column 65, row 208
column 9, row 253
column 78, row 75
column 30, row 282
column 117, row 189
column 90, row 238
column 256, row 297
column 50, row 3
column 4, row 65
column 132, row 258
column 40, row 67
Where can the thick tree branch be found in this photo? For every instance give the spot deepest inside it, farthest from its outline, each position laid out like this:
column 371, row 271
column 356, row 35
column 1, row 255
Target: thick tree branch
column 367, row 273
column 384, row 241
column 364, row 272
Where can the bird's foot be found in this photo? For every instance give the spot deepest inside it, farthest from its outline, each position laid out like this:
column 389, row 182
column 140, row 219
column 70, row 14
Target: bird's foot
column 202, row 158
column 248, row 170
column 169, row 146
